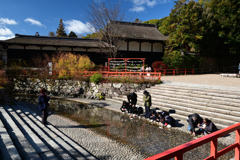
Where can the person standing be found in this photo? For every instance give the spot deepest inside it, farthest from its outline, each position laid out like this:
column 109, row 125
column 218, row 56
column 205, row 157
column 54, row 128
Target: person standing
column 147, row 102
column 43, row 104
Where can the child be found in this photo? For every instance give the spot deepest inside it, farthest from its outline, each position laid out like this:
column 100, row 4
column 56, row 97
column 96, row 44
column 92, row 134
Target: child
column 125, row 107
column 169, row 121
column 152, row 115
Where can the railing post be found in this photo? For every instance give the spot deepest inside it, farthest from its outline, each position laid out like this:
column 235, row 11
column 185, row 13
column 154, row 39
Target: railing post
column 174, row 72
column 237, row 149
column 214, row 149
column 185, row 71
column 164, row 71
column 179, row 157
column 193, row 71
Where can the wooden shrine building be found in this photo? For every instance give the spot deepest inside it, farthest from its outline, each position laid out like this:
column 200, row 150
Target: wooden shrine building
column 139, row 41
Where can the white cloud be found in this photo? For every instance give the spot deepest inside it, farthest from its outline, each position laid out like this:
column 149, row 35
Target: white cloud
column 139, row 5
column 6, row 37
column 7, row 21
column 137, row 9
column 6, row 32
column 78, row 27
column 150, row 3
column 34, row 22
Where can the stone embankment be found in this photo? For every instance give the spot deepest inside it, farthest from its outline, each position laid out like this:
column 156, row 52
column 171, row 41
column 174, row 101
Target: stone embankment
column 80, row 89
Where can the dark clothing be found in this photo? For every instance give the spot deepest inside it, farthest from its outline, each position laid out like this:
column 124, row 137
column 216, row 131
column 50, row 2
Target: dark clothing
column 43, row 101
column 147, row 110
column 132, row 98
column 134, row 110
column 126, row 106
column 193, row 124
column 169, row 120
column 44, row 115
column 43, row 106
column 211, row 127
column 140, row 111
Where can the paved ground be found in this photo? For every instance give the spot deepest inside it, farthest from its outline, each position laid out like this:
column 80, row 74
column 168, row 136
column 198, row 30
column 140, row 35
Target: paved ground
column 206, row 79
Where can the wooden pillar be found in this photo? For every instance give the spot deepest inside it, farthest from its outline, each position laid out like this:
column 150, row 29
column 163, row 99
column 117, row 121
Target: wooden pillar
column 237, row 149
column 127, row 45
column 140, row 46
column 151, row 47
column 214, row 149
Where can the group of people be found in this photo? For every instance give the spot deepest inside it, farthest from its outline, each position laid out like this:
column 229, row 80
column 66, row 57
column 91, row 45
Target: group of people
column 205, row 126
column 130, row 107
column 147, row 69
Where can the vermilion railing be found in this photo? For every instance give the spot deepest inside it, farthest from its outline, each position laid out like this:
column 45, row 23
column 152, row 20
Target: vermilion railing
column 86, row 73
column 178, row 151
column 176, row 71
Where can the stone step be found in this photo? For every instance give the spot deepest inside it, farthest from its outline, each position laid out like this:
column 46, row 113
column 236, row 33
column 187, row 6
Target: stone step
column 228, row 120
column 201, row 87
column 227, row 106
column 69, row 145
column 28, row 127
column 28, row 146
column 7, row 148
column 214, row 97
column 196, row 89
column 182, row 115
column 209, row 101
column 229, row 95
column 228, row 110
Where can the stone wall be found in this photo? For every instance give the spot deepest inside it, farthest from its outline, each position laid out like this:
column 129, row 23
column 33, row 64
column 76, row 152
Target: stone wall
column 70, row 88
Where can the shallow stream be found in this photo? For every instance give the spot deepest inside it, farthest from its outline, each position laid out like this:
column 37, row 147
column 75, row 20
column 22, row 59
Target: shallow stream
column 142, row 136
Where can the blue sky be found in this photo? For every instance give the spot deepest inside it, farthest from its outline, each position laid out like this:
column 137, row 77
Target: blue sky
column 30, row 16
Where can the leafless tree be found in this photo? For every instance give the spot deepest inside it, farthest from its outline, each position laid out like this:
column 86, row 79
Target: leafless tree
column 104, row 17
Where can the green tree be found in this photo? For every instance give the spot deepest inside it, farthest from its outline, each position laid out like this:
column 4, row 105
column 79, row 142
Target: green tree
column 72, row 34
column 227, row 14
column 158, row 22
column 61, row 30
column 185, row 29
column 95, row 35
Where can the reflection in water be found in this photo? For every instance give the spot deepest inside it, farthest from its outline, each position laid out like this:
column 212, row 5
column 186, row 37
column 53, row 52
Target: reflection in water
column 142, row 136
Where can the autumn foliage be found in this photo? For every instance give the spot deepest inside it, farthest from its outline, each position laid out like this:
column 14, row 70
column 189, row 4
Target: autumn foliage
column 158, row 65
column 69, row 64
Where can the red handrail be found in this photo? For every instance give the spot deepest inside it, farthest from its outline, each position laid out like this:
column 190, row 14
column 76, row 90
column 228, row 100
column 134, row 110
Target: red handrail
column 178, row 151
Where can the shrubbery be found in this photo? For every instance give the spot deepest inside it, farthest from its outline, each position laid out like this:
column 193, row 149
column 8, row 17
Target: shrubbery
column 96, row 78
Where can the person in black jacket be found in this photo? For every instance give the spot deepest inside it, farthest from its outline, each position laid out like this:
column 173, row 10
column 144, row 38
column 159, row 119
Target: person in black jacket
column 43, row 105
column 132, row 99
column 125, row 107
column 169, row 121
column 194, row 121
column 208, row 127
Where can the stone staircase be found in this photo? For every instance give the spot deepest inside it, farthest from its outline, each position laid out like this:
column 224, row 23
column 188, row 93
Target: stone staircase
column 23, row 136
column 220, row 104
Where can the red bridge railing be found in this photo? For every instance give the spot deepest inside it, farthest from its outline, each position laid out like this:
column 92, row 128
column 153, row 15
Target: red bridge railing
column 178, row 151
